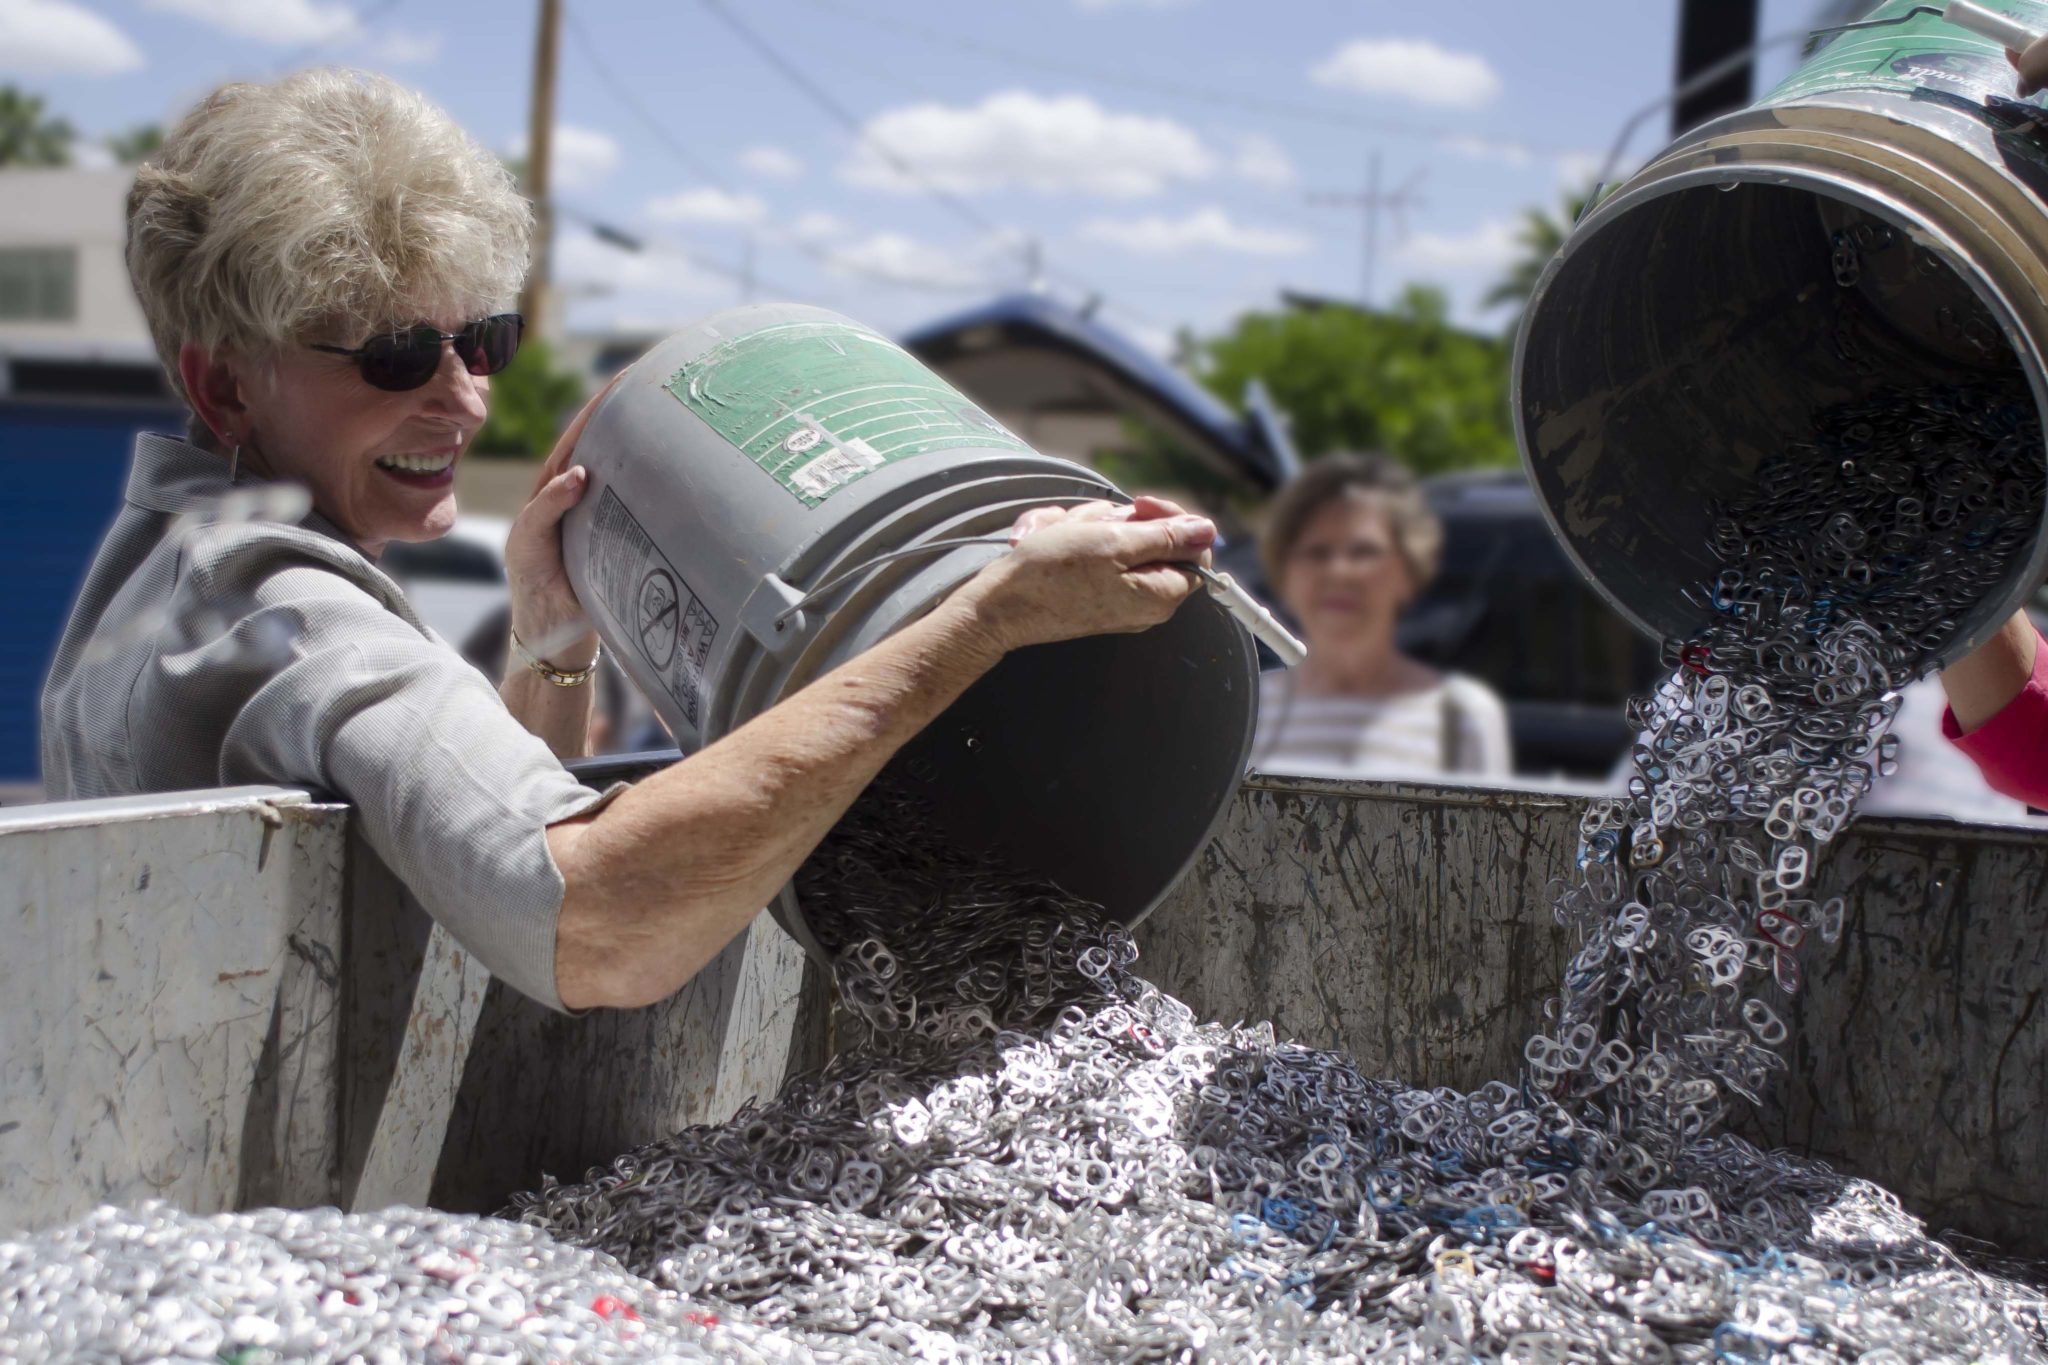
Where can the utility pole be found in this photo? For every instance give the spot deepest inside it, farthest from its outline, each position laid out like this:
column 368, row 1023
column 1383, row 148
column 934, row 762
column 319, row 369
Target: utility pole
column 1372, row 203
column 1710, row 32
column 540, row 140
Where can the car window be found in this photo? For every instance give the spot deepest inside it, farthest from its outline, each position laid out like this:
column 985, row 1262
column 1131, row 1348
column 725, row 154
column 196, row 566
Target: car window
column 444, row 560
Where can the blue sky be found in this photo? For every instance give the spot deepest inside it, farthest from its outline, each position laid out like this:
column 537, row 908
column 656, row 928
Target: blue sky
column 1160, row 153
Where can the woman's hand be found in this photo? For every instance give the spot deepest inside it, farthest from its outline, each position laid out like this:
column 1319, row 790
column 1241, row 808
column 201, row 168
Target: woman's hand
column 546, row 616
column 1096, row 569
column 2032, row 66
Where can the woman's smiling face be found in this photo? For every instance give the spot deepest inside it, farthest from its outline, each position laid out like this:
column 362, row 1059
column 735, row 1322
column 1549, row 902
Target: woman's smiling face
column 380, row 465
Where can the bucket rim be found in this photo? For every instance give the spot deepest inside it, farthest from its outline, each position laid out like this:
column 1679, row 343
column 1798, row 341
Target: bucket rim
column 1661, row 179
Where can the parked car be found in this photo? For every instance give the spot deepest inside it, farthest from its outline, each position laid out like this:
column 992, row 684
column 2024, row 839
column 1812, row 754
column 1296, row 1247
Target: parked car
column 1510, row 608
column 457, row 582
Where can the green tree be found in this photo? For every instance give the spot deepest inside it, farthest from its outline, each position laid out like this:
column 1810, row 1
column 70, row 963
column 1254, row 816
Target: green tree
column 1148, row 460
column 29, row 136
column 1404, row 380
column 1540, row 237
column 531, row 401
column 137, row 145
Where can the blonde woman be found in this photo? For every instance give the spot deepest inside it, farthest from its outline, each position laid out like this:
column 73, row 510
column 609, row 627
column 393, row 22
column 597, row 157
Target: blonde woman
column 328, row 266
column 1348, row 546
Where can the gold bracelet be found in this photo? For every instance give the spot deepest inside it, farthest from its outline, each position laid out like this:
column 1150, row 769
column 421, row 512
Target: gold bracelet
column 553, row 674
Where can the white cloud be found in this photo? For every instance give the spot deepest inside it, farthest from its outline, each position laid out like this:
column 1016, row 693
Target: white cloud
column 895, row 256
column 401, row 48
column 279, row 22
column 1490, row 246
column 1053, row 144
column 581, row 156
column 1208, row 229
column 46, row 37
column 707, row 205
column 1263, row 161
column 772, row 163
column 1487, row 149
column 1409, row 68
column 816, row 226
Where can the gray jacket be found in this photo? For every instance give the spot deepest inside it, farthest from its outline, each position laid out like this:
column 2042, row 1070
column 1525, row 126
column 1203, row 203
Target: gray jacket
column 210, row 647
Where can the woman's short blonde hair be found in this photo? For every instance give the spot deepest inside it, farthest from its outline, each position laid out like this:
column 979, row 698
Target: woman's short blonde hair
column 330, row 204
column 1418, row 535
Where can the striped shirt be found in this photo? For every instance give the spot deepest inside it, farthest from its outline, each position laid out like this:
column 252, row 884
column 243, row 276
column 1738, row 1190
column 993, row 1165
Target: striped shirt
column 1410, row 735
column 206, row 650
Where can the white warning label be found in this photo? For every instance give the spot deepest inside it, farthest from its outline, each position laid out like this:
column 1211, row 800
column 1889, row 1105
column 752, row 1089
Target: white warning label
column 839, row 464
column 644, row 595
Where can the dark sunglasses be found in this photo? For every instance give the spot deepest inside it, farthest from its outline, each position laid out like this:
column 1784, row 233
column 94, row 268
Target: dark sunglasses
column 406, row 360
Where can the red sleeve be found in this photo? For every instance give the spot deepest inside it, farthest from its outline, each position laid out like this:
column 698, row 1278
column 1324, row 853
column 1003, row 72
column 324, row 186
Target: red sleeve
column 2012, row 747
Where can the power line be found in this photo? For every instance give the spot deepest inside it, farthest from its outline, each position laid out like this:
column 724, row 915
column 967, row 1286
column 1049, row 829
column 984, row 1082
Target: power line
column 1371, row 202
column 358, row 26
column 1031, row 250
column 690, row 160
column 851, row 121
column 621, row 91
column 638, row 244
column 743, row 274
column 1210, row 97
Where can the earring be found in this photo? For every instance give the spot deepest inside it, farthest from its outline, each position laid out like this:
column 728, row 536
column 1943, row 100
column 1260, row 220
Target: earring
column 234, row 461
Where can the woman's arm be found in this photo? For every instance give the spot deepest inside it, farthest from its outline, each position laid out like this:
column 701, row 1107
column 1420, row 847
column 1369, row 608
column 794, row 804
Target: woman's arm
column 664, row 876
column 559, row 716
column 546, row 617
column 1985, row 682
column 1998, row 710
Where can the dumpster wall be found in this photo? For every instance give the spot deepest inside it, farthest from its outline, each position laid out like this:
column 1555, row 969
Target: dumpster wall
column 223, row 999
column 160, row 954
column 1410, row 926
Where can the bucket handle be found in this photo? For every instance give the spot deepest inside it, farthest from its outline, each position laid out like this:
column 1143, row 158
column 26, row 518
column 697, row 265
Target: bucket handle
column 1241, row 605
column 840, row 580
column 780, row 621
column 1735, row 61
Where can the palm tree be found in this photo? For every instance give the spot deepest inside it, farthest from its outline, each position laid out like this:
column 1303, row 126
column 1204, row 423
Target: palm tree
column 135, row 146
column 1540, row 238
column 27, row 136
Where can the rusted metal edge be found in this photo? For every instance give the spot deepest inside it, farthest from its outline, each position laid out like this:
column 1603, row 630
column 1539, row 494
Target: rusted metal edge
column 156, row 806
column 1565, row 796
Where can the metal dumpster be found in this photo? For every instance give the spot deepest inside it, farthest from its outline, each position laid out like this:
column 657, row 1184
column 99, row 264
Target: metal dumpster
column 222, row 999
column 1409, row 926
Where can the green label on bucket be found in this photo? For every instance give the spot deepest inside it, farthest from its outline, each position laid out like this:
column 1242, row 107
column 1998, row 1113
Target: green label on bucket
column 1924, row 52
column 820, row 404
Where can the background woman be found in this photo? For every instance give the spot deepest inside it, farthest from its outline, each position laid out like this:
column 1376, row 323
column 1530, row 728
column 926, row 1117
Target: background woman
column 1348, row 546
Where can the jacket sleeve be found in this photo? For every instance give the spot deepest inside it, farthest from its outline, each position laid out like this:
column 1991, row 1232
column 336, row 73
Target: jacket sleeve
column 320, row 684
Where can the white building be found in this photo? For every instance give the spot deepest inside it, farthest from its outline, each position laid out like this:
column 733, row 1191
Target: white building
column 64, row 290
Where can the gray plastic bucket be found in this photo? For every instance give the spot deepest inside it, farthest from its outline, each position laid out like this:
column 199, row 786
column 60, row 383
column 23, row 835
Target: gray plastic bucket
column 777, row 451
column 1696, row 317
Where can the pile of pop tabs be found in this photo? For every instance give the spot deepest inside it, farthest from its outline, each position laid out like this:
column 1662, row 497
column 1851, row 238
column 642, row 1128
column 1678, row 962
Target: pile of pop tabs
column 1035, row 1155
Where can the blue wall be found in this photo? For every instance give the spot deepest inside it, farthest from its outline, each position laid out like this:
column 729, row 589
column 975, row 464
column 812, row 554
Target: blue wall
column 65, row 466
